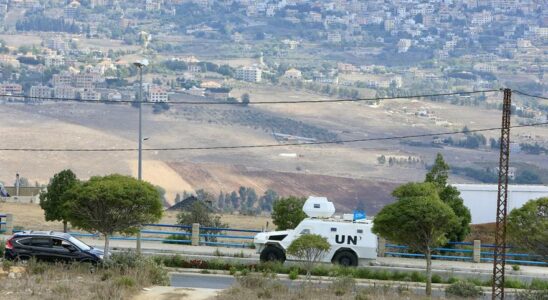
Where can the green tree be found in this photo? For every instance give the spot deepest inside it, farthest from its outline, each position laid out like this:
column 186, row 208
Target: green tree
column 418, row 219
column 439, row 172
column 267, row 200
column 309, row 248
column 288, row 212
column 381, row 159
column 113, row 203
column 53, row 201
column 246, row 99
column 528, row 226
column 439, row 175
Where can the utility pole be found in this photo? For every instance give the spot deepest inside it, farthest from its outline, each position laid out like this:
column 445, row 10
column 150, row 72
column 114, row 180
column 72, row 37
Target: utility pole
column 140, row 65
column 502, row 199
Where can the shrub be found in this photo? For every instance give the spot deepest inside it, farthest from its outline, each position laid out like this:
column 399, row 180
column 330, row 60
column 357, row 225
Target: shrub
column 513, row 284
column 2, row 248
column 294, row 274
column 176, row 239
column 418, row 277
column 251, row 281
column 232, row 270
column 530, row 294
column 123, row 260
column 343, row 285
column 273, row 266
column 464, row 289
column 147, row 269
column 36, row 267
column 310, row 248
column 515, row 267
column 6, row 265
column 125, row 281
column 436, row 278
column 538, row 284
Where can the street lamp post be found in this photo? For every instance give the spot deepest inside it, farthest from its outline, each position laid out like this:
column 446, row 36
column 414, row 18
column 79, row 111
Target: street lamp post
column 140, row 65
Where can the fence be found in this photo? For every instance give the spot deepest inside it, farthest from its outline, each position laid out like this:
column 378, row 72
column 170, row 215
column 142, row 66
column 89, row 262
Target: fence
column 462, row 251
column 189, row 234
column 6, row 223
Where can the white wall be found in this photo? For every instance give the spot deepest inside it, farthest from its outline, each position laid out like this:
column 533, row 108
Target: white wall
column 481, row 199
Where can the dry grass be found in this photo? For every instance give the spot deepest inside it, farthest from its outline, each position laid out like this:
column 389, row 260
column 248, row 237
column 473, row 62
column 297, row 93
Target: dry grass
column 261, row 287
column 483, row 232
column 81, row 281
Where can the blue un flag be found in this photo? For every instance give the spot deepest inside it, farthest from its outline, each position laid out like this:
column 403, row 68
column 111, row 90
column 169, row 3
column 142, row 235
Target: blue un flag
column 359, row 215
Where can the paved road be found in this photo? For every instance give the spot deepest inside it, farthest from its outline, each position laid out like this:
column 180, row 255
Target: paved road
column 202, row 281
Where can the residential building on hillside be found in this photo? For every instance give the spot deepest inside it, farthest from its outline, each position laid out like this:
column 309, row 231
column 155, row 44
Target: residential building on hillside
column 293, row 74
column 158, row 94
column 62, row 79
column 249, row 74
column 54, row 61
column 90, row 95
column 64, row 92
column 40, row 91
column 218, row 93
column 84, row 81
column 11, row 89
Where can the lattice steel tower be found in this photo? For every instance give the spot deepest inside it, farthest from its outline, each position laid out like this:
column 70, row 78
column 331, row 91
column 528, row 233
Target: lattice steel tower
column 502, row 199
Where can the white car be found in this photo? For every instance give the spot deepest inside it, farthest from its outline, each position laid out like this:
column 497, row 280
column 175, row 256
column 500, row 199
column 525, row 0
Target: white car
column 350, row 240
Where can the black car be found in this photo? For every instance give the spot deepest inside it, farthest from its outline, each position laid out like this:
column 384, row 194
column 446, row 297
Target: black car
column 50, row 246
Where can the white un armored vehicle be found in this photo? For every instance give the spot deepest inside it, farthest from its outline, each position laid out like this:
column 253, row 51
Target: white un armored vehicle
column 350, row 240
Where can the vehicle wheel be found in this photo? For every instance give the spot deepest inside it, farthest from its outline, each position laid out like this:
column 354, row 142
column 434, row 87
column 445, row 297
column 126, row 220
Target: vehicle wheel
column 345, row 258
column 271, row 253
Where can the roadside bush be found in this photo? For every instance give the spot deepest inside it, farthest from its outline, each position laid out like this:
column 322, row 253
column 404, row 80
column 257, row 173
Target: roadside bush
column 6, row 265
column 144, row 269
column 513, row 284
column 232, row 270
column 320, row 270
column 35, row 267
column 436, row 278
column 537, row 284
column 531, row 294
column 464, row 289
column 125, row 281
column 175, row 239
column 251, row 281
column 342, row 285
column 294, row 274
column 2, row 248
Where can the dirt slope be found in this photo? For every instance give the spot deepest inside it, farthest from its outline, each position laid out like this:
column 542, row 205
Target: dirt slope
column 345, row 192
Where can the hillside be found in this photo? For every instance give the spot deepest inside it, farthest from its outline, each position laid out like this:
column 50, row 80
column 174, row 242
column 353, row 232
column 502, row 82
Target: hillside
column 344, row 192
column 345, row 172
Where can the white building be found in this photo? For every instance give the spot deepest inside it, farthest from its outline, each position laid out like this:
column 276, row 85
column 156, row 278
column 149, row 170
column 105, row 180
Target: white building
column 90, row 95
column 54, row 61
column 64, row 92
column 404, row 45
column 250, row 74
column 481, row 199
column 158, row 94
column 40, row 91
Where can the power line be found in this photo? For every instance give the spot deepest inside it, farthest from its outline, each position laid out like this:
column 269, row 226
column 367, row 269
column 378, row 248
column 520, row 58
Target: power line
column 266, row 145
column 256, row 102
column 529, row 95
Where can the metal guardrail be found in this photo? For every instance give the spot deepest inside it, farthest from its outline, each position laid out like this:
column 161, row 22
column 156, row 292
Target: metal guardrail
column 3, row 223
column 522, row 258
column 185, row 231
